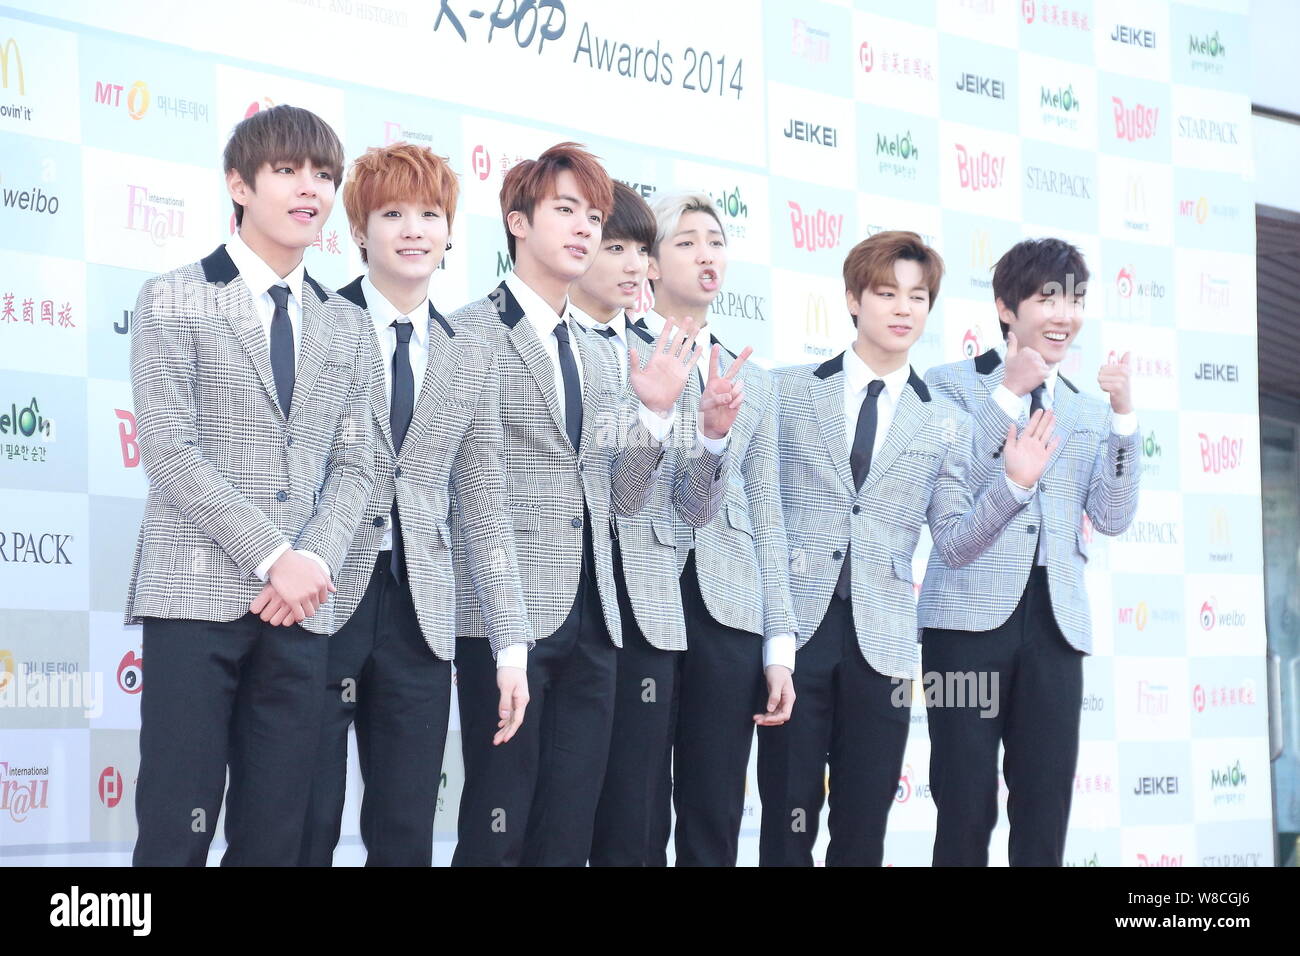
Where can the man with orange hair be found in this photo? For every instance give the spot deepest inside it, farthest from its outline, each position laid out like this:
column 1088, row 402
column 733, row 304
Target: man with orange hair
column 869, row 454
column 575, row 453
column 437, row 436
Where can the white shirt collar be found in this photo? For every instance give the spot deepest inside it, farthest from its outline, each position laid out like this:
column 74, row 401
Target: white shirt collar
column 657, row 323
column 383, row 313
column 1053, row 371
column 858, row 375
column 618, row 323
column 541, row 315
column 259, row 276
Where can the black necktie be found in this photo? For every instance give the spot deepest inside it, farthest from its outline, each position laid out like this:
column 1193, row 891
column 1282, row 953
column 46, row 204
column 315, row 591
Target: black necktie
column 1036, row 399
column 282, row 347
column 572, row 387
column 864, row 440
column 604, row 330
column 401, row 406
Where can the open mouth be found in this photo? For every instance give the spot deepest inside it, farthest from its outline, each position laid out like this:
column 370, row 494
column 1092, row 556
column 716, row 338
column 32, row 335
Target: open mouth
column 303, row 213
column 709, row 280
column 578, row 252
column 1058, row 338
column 412, row 252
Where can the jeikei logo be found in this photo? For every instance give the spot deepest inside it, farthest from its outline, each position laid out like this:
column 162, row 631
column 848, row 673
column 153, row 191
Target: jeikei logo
column 123, row 327
column 1156, row 786
column 1058, row 182
column 137, row 97
column 1220, row 454
column 1136, row 122
column 130, row 673
column 980, row 171
column 110, row 787
column 481, row 162
column 1208, row 131
column 809, row 42
column 805, row 131
column 1217, row 372
column 25, row 547
column 33, row 199
column 644, row 190
column 814, row 230
column 739, row 305
column 1133, row 36
column 162, row 217
column 980, row 85
column 26, row 422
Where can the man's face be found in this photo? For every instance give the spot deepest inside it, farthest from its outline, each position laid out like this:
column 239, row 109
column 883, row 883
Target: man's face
column 286, row 204
column 564, row 233
column 1047, row 321
column 691, row 264
column 615, row 278
column 404, row 241
column 891, row 316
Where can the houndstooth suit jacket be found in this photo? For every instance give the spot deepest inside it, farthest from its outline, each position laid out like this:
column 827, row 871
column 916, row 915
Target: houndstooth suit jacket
column 918, row 476
column 548, row 482
column 230, row 479
column 740, row 556
column 453, row 445
column 688, row 491
column 1093, row 471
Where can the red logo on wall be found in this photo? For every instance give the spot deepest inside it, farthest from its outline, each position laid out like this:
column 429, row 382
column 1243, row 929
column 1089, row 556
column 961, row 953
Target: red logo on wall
column 866, row 57
column 130, row 673
column 265, row 103
column 110, row 787
column 983, row 170
column 970, row 344
column 814, row 230
column 127, row 436
column 481, row 162
column 1220, row 454
column 1198, row 698
column 1124, row 282
column 1136, row 123
column 1027, row 8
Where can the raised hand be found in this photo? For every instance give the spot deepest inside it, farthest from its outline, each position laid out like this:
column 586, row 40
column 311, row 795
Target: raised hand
column 1116, row 380
column 660, row 383
column 1026, row 456
column 512, row 682
column 723, row 395
column 780, row 696
column 1026, row 368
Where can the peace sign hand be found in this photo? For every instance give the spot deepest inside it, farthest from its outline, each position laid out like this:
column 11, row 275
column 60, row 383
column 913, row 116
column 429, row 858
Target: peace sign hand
column 723, row 395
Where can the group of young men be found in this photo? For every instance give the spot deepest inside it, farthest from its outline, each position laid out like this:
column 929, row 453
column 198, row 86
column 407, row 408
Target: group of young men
column 635, row 545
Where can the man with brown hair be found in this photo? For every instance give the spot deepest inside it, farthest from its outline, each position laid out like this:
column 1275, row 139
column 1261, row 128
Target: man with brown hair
column 574, row 453
column 868, row 454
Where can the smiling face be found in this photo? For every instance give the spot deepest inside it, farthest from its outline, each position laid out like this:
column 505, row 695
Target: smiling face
column 890, row 316
column 690, row 265
column 404, row 242
column 284, row 208
column 1047, row 321
column 563, row 235
column 614, row 280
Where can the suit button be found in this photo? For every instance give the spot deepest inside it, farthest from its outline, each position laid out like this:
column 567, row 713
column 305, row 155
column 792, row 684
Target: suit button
column 717, row 475
column 1032, row 529
column 289, row 441
column 281, row 496
column 378, row 522
column 856, row 509
column 838, row 555
column 397, row 472
column 1042, row 485
column 576, row 522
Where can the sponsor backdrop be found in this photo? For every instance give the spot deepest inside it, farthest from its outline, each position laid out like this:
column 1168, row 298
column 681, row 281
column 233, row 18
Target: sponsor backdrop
column 1123, row 126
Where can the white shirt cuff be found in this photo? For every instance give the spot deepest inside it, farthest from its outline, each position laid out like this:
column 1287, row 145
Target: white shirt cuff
column 264, row 568
column 1020, row 492
column 1009, row 402
column 319, row 560
column 513, row 655
column 714, row 446
column 779, row 650
column 659, row 426
column 1124, row 425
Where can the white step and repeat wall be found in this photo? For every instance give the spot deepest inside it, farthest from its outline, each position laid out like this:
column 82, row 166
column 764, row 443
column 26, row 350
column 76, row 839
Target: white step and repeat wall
column 1122, row 126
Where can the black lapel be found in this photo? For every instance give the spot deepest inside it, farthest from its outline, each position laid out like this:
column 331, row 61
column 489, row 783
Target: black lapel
column 639, row 328
column 436, row 316
column 218, row 267
column 830, row 367
column 320, row 291
column 352, row 292
column 507, row 305
column 988, row 361
column 919, row 386
column 1066, row 382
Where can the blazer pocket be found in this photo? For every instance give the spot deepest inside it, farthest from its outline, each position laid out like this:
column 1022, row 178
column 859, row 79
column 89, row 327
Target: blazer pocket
column 664, row 533
column 902, row 568
column 444, row 533
column 1081, row 543
column 739, row 520
column 530, row 521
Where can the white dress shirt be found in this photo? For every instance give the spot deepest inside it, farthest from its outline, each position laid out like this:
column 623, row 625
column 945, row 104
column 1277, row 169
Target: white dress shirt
column 259, row 277
column 857, row 376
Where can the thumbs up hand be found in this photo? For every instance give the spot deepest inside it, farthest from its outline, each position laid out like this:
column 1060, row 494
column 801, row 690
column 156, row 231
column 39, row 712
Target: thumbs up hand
column 1116, row 380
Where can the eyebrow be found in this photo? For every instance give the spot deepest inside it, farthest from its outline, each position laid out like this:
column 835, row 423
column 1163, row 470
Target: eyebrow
column 710, row 232
column 573, row 199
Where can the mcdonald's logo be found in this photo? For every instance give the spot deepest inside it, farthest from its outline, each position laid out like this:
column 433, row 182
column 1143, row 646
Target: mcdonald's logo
column 1219, row 533
column 817, row 318
column 6, row 669
column 1135, row 196
column 981, row 250
column 11, row 45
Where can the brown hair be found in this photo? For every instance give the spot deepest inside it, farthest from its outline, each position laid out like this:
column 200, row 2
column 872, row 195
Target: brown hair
column 631, row 219
column 281, row 134
column 400, row 172
column 531, row 181
column 871, row 262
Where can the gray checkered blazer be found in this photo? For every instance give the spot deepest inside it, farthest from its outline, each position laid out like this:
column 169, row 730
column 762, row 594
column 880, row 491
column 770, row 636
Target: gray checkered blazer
column 1093, row 472
column 548, row 483
column 740, row 556
column 918, row 476
column 453, row 445
column 229, row 479
column 689, row 492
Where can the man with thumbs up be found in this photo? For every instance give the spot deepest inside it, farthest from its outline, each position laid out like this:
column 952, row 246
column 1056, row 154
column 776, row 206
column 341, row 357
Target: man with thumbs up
column 1020, row 612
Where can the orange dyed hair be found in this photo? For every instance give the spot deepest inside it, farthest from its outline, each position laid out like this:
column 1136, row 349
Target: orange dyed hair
column 533, row 181
column 400, row 172
column 871, row 262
